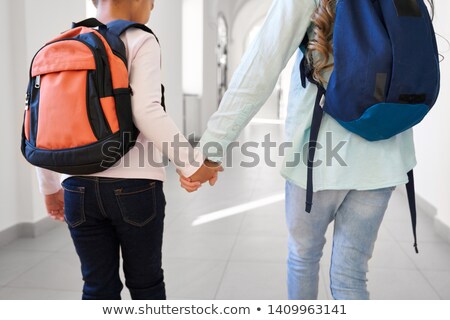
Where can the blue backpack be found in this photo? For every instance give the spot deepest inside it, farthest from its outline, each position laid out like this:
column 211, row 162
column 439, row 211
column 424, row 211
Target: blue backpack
column 385, row 78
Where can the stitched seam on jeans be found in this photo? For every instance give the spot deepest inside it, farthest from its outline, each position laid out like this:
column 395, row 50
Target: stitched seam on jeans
column 80, row 190
column 101, row 179
column 119, row 192
column 82, row 215
column 99, row 199
column 142, row 223
column 138, row 224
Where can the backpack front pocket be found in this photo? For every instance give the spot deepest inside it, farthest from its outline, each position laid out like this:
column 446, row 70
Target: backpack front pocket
column 65, row 97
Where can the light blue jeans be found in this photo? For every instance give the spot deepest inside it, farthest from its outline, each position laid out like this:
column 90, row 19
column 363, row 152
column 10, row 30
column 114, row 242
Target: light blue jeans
column 357, row 216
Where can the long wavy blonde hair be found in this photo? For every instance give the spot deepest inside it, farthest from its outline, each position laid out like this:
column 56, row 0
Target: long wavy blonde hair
column 321, row 44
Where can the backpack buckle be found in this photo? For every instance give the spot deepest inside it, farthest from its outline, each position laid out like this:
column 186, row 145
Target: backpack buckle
column 322, row 101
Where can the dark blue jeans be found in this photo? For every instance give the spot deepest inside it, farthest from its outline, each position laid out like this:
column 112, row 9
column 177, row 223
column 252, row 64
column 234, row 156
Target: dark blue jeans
column 112, row 217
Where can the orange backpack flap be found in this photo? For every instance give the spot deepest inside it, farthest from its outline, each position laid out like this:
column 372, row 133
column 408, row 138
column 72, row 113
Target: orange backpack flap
column 78, row 117
column 119, row 73
column 61, row 70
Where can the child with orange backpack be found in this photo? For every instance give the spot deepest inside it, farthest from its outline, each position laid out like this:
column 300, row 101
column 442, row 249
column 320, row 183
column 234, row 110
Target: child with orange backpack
column 113, row 202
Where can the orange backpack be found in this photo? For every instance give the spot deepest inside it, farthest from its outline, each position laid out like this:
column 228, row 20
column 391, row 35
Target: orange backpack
column 78, row 117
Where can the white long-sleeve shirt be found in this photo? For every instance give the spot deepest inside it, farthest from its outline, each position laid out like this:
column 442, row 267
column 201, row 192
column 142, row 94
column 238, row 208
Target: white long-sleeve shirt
column 157, row 129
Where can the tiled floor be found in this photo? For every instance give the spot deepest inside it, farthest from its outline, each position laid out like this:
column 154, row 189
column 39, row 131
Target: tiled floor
column 238, row 257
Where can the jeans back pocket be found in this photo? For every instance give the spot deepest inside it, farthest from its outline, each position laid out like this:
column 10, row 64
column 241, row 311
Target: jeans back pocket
column 137, row 204
column 74, row 205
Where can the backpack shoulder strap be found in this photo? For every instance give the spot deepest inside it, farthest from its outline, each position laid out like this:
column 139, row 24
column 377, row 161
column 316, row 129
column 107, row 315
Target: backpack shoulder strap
column 118, row 27
column 306, row 73
column 90, row 23
column 412, row 205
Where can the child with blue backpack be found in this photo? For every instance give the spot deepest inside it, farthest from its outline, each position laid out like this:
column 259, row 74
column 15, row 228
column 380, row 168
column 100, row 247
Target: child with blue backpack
column 354, row 194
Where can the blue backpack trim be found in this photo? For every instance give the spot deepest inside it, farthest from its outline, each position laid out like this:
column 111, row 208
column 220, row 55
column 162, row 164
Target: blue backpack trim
column 384, row 120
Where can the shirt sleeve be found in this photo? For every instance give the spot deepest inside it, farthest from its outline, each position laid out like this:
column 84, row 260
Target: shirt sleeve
column 49, row 181
column 257, row 74
column 148, row 115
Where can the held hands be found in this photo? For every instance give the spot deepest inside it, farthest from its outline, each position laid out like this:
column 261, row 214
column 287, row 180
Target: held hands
column 208, row 172
column 55, row 205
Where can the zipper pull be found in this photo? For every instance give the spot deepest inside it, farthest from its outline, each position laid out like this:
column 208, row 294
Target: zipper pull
column 37, row 84
column 27, row 101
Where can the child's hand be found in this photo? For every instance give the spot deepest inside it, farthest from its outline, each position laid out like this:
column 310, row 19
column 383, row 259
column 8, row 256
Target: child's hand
column 55, row 205
column 207, row 172
column 187, row 184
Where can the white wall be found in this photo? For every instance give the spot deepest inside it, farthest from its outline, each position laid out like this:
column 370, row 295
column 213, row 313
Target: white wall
column 166, row 22
column 8, row 168
column 192, row 50
column 433, row 134
column 30, row 207
column 24, row 25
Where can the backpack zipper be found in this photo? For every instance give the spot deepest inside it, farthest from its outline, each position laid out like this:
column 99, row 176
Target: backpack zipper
column 37, row 83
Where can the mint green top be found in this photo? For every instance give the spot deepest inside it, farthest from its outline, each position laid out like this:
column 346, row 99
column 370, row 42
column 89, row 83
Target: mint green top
column 366, row 165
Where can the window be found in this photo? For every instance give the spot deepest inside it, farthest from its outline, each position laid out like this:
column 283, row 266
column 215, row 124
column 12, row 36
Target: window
column 222, row 57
